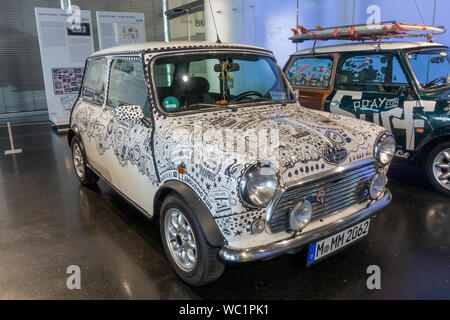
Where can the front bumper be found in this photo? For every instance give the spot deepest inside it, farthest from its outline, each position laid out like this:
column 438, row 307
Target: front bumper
column 297, row 241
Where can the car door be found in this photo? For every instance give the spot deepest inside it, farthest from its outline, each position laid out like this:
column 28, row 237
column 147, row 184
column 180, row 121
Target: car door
column 312, row 77
column 129, row 161
column 90, row 110
column 373, row 87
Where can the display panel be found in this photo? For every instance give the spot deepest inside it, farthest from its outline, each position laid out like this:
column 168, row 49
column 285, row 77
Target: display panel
column 118, row 28
column 65, row 41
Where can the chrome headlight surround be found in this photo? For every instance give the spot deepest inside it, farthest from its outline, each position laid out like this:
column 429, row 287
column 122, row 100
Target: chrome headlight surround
column 384, row 148
column 258, row 185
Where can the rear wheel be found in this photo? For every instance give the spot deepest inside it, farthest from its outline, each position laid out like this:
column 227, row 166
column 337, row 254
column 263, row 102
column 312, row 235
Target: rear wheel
column 193, row 259
column 84, row 174
column 438, row 167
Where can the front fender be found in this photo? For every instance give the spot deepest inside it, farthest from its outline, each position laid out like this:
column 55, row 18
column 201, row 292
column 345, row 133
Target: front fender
column 212, row 232
column 432, row 136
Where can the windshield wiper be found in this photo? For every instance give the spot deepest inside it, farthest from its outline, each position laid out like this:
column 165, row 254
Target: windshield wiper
column 259, row 99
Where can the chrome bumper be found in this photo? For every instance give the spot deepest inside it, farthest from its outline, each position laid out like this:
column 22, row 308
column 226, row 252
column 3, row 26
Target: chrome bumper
column 297, row 241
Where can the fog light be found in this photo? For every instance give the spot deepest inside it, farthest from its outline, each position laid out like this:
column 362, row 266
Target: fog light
column 377, row 186
column 300, row 215
column 258, row 226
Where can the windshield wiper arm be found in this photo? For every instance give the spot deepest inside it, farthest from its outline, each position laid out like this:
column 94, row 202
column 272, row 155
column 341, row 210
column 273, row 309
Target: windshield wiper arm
column 255, row 100
column 282, row 102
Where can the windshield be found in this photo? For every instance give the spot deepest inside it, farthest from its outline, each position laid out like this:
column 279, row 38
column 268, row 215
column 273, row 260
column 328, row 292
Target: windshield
column 431, row 67
column 185, row 82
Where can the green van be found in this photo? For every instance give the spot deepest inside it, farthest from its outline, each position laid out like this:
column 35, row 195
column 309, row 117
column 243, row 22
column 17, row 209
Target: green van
column 403, row 86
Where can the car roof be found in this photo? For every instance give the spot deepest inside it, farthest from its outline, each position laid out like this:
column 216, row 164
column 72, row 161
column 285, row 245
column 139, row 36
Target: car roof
column 363, row 46
column 156, row 46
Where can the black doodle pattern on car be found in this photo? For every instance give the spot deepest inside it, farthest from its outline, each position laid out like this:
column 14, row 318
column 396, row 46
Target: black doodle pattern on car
column 132, row 114
column 306, row 137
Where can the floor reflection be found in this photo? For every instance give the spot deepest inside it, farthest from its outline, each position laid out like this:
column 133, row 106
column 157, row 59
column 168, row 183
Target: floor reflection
column 48, row 222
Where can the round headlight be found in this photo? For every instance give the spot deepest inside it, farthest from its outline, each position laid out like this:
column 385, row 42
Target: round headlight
column 377, row 186
column 384, row 149
column 258, row 185
column 300, row 215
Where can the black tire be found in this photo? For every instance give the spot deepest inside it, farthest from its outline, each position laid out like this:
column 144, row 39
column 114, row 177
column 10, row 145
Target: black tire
column 429, row 166
column 87, row 177
column 207, row 267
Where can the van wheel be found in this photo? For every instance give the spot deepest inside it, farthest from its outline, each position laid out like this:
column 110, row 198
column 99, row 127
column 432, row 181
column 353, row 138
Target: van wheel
column 438, row 167
column 84, row 174
column 193, row 259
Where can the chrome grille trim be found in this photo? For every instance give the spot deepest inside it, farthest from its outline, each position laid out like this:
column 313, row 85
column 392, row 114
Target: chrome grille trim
column 344, row 187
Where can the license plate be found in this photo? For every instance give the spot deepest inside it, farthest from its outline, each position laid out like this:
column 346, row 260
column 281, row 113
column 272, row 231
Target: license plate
column 325, row 247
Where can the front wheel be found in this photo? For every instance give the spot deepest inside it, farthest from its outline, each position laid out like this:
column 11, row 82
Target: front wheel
column 438, row 167
column 193, row 259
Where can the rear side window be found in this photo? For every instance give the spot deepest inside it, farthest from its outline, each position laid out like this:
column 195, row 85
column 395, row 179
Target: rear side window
column 127, row 84
column 371, row 72
column 311, row 72
column 94, row 81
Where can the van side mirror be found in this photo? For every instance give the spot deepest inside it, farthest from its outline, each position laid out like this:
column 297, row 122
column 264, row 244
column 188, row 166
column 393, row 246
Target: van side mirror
column 131, row 114
column 403, row 90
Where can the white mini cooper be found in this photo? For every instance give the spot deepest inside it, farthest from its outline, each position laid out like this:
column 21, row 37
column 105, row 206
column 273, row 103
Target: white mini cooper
column 209, row 139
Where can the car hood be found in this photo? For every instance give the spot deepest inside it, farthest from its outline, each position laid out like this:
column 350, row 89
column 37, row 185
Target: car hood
column 301, row 141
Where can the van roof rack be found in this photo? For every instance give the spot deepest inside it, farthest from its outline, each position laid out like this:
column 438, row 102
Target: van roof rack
column 362, row 32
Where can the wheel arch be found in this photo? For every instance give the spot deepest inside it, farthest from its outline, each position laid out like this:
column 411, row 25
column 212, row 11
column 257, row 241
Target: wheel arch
column 73, row 132
column 426, row 145
column 210, row 228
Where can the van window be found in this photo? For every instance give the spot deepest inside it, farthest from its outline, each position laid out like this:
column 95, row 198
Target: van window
column 94, row 81
column 371, row 72
column 311, row 72
column 127, row 84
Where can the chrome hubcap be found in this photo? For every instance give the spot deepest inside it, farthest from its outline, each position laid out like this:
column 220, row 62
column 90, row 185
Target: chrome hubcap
column 180, row 239
column 441, row 168
column 78, row 161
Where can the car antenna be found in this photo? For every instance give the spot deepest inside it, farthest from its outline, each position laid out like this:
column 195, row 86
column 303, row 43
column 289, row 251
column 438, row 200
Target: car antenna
column 429, row 36
column 214, row 20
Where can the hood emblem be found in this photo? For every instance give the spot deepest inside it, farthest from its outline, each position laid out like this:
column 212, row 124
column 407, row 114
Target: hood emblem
column 335, row 156
column 320, row 195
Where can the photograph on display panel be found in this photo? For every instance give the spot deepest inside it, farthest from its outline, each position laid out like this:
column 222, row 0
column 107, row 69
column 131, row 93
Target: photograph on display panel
column 67, row 80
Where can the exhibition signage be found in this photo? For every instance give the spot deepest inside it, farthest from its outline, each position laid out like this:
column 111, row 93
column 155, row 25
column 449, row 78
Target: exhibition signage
column 117, row 28
column 65, row 40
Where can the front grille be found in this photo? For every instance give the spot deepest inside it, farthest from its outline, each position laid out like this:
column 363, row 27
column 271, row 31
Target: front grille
column 343, row 190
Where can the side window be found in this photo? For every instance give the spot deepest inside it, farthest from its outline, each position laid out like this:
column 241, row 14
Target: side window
column 311, row 72
column 94, row 81
column 372, row 72
column 398, row 76
column 127, row 84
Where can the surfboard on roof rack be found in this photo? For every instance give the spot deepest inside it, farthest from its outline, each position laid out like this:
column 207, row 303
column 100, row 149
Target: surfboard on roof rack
column 361, row 32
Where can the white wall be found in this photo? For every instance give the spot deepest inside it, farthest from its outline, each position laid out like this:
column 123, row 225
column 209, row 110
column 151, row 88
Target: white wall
column 268, row 23
column 264, row 23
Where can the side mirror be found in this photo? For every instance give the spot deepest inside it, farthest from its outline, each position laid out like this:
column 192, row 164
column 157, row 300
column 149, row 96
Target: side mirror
column 131, row 114
column 403, row 90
